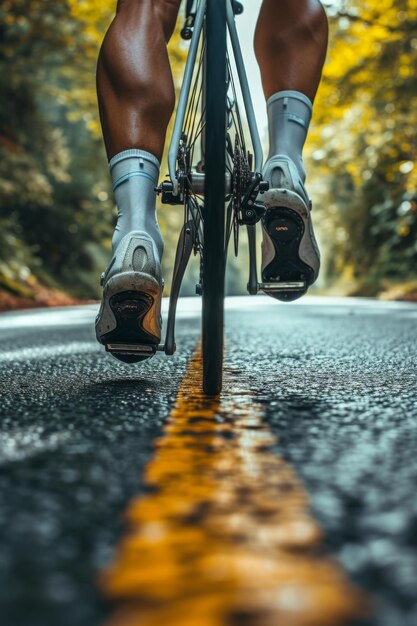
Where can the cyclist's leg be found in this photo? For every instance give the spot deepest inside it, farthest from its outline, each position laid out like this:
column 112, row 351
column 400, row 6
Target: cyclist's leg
column 134, row 80
column 136, row 99
column 290, row 45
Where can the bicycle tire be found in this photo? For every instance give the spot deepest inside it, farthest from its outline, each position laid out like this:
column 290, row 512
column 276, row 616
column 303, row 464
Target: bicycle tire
column 214, row 206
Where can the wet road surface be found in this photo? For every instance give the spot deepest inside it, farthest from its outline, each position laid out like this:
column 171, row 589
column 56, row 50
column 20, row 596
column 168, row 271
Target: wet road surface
column 332, row 385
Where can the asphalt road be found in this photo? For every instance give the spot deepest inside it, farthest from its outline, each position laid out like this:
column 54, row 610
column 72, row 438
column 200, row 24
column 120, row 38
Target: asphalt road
column 337, row 383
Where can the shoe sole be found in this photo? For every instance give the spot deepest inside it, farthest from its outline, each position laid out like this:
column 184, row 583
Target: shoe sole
column 129, row 320
column 295, row 257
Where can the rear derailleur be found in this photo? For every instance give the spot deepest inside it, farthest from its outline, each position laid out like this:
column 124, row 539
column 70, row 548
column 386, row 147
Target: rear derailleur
column 250, row 211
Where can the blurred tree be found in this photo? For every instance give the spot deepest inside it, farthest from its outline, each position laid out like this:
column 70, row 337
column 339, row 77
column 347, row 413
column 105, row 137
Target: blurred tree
column 53, row 198
column 56, row 206
column 363, row 144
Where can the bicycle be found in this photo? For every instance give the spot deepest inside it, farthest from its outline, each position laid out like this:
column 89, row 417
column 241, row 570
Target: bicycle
column 212, row 174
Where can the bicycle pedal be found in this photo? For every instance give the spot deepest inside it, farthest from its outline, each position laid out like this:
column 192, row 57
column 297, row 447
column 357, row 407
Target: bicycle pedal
column 288, row 286
column 134, row 349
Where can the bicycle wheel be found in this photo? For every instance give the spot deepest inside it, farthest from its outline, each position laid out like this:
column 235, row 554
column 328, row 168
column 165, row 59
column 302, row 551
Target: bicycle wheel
column 213, row 258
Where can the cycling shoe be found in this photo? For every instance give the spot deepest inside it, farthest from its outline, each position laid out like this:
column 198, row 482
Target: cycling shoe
column 290, row 255
column 129, row 319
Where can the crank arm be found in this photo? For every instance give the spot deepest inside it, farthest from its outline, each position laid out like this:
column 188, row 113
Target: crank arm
column 184, row 249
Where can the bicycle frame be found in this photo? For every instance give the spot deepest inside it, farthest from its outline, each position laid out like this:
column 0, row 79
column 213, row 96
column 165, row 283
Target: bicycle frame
column 185, row 90
column 185, row 244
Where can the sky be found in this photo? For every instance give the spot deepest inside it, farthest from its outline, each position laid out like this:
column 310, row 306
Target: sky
column 246, row 26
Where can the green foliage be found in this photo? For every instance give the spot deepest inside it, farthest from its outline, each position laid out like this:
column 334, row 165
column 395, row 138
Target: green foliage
column 54, row 197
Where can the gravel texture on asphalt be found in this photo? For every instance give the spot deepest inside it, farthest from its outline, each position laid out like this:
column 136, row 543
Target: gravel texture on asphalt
column 338, row 384
column 77, row 428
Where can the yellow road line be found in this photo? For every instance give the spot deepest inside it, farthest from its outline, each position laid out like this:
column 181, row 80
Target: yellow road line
column 225, row 537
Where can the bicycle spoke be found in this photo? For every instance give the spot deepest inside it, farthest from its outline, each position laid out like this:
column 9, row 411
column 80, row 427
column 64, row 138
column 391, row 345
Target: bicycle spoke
column 192, row 108
column 190, row 159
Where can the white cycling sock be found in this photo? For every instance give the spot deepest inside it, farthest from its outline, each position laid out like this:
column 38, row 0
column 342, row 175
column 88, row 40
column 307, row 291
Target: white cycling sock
column 134, row 176
column 289, row 116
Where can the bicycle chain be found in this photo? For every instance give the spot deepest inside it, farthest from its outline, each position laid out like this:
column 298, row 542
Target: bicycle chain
column 241, row 179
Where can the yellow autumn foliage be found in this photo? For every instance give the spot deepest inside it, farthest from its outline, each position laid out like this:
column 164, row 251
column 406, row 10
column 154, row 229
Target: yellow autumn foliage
column 362, row 149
